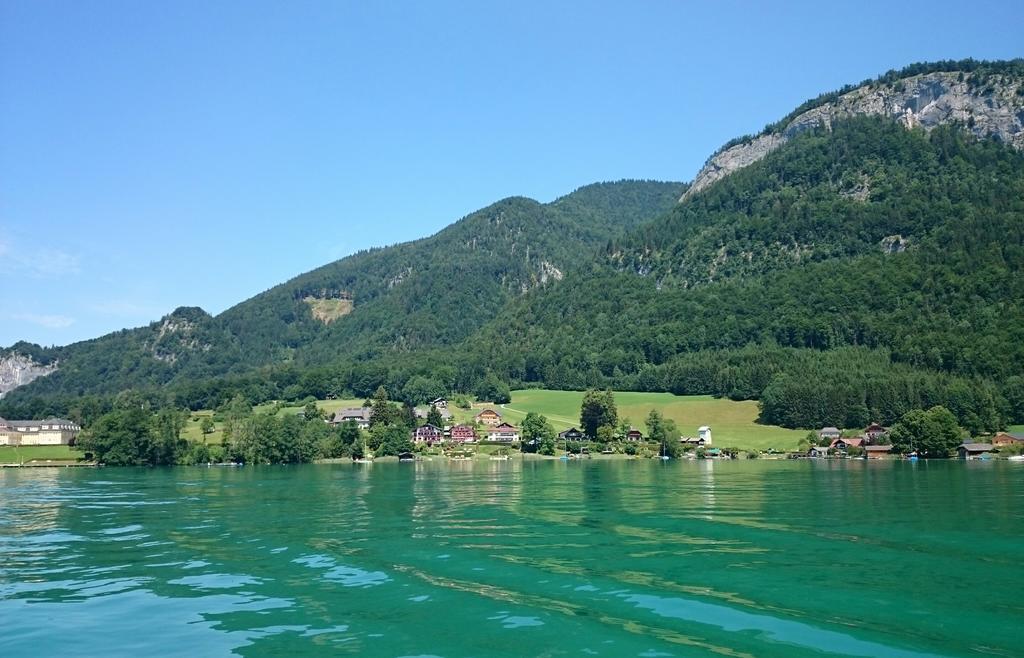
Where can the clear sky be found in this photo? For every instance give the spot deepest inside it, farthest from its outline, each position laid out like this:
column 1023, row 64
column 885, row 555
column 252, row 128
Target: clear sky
column 160, row 154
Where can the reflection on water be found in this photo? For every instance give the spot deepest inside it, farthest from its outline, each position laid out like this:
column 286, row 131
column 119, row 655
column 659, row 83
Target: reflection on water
column 517, row 558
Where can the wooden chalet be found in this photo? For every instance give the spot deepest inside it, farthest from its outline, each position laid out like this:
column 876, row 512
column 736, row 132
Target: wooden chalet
column 841, row 445
column 572, row 434
column 488, row 417
column 874, row 432
column 1007, row 439
column 877, row 452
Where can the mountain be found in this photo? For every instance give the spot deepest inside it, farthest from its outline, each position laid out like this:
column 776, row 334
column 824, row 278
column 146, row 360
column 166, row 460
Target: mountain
column 425, row 293
column 859, row 258
column 438, row 290
column 782, row 269
column 984, row 98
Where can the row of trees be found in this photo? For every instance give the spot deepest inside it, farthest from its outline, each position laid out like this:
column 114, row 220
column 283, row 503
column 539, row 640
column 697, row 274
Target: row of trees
column 133, row 433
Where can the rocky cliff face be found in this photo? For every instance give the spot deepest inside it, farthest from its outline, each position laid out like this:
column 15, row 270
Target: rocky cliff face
column 17, row 370
column 990, row 106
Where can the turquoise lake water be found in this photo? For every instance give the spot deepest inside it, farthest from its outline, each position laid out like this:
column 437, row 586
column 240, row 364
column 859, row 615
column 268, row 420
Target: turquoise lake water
column 536, row 558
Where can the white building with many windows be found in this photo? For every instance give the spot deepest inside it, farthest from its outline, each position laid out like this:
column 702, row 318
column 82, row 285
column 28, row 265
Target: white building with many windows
column 49, row 432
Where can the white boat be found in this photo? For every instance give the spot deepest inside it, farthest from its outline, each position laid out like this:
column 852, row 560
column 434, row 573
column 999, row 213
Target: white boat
column 499, row 458
column 1015, row 458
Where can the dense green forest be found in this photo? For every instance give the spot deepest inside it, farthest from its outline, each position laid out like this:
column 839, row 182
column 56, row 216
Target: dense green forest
column 853, row 275
column 720, row 273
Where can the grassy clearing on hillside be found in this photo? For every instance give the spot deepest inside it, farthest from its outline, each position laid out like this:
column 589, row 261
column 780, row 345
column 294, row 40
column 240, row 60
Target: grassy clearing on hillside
column 328, row 310
column 732, row 423
column 1015, row 429
column 193, row 431
column 327, row 406
column 20, row 454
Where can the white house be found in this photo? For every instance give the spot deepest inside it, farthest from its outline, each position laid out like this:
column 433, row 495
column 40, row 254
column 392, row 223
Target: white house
column 704, row 432
column 49, row 432
column 503, row 433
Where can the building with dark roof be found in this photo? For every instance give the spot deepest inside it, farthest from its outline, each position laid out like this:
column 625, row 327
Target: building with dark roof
column 48, row 432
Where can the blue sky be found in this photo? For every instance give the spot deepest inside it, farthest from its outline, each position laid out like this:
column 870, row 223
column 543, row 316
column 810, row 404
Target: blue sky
column 160, row 154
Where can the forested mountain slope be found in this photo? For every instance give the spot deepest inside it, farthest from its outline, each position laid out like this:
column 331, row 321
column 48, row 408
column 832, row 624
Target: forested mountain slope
column 424, row 293
column 865, row 235
column 437, row 290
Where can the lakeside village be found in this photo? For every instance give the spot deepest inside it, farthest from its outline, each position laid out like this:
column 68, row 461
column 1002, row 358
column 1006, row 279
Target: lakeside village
column 491, row 428
column 440, row 436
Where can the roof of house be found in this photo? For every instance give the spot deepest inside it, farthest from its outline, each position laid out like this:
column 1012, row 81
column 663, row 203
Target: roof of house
column 878, row 448
column 503, row 427
column 976, row 447
column 850, row 441
column 491, row 411
column 829, row 429
column 354, row 412
column 1016, row 436
column 704, row 428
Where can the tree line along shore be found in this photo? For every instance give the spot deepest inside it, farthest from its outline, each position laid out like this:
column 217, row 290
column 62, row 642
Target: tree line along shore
column 606, row 424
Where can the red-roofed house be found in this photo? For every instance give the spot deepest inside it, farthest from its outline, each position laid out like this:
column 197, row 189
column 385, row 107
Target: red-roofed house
column 841, row 445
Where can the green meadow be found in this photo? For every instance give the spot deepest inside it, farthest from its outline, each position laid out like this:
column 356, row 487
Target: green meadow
column 732, row 423
column 25, row 454
column 193, row 431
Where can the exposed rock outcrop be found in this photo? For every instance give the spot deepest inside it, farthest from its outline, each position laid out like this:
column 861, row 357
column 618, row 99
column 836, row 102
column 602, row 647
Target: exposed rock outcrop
column 179, row 333
column 990, row 107
column 17, row 370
